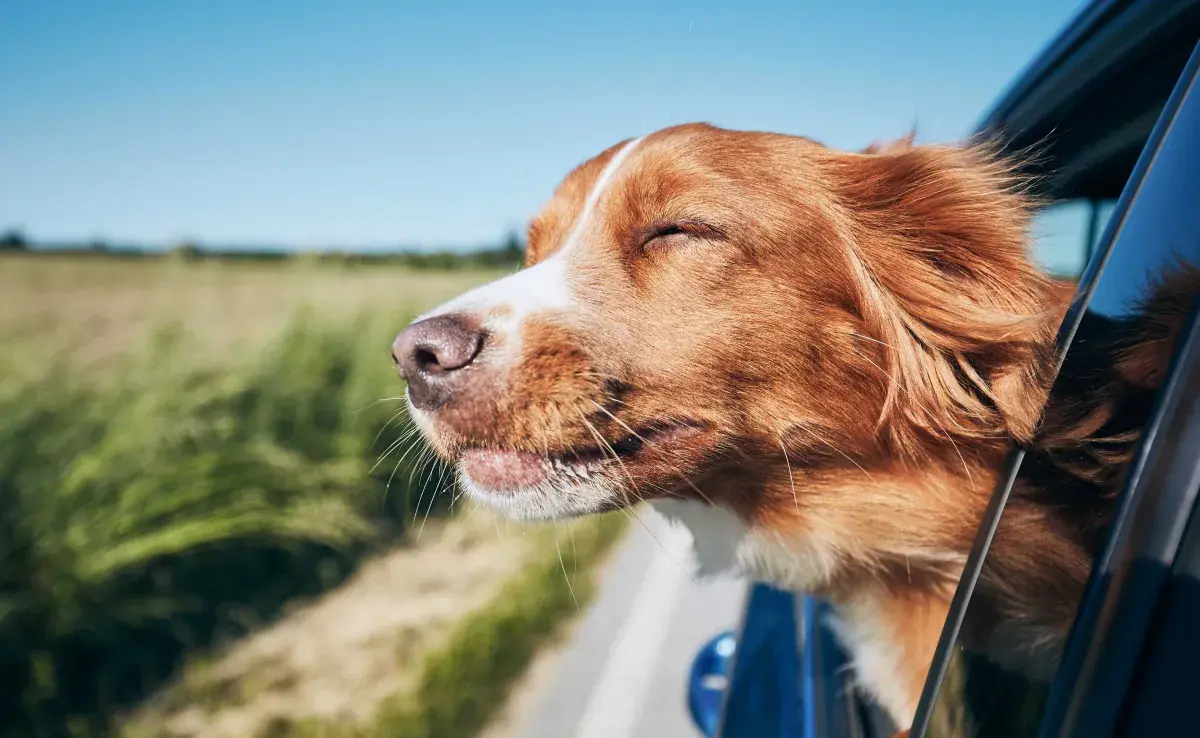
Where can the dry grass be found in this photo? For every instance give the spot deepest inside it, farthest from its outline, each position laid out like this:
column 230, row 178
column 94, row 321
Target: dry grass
column 87, row 311
column 339, row 657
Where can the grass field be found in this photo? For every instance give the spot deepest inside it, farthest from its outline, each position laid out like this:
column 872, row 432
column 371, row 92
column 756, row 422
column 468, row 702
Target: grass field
column 187, row 451
column 86, row 311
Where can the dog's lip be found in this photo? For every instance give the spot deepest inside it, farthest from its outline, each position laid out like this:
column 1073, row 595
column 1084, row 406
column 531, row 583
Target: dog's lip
column 512, row 470
column 503, row 470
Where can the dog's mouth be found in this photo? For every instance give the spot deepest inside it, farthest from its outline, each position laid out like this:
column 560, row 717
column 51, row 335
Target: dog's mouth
column 500, row 470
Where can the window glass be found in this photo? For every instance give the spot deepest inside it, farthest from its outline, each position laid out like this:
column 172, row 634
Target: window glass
column 1065, row 234
column 1058, row 512
column 1060, row 237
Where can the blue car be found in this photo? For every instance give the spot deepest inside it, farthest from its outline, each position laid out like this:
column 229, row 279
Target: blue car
column 1112, row 106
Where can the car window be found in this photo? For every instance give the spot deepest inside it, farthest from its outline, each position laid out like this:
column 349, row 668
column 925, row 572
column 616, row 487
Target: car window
column 1069, row 482
column 1065, row 234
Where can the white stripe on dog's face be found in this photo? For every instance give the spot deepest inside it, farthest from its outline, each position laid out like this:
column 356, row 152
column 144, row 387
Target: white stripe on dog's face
column 503, row 305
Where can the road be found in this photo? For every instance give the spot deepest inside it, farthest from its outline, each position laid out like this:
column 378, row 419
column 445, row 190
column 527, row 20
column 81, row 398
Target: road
column 624, row 675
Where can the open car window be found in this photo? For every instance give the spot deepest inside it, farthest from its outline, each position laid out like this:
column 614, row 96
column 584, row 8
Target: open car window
column 1065, row 234
column 1150, row 247
column 1161, row 239
column 1153, row 241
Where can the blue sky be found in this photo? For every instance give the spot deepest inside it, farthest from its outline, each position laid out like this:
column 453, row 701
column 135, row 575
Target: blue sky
column 371, row 124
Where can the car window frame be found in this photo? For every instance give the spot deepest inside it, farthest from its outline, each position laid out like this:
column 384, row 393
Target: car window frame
column 1117, row 612
column 1160, row 696
column 1078, row 704
column 947, row 644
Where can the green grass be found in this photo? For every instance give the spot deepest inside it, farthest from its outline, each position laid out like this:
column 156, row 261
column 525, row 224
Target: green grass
column 172, row 504
column 185, row 451
column 464, row 683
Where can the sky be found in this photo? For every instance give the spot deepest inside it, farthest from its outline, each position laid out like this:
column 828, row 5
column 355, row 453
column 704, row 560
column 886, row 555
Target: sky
column 369, row 125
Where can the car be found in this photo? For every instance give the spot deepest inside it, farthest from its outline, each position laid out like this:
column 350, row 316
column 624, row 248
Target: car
column 1112, row 110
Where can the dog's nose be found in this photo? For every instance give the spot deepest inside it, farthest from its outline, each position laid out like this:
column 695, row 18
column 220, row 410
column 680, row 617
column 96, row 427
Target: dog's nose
column 429, row 354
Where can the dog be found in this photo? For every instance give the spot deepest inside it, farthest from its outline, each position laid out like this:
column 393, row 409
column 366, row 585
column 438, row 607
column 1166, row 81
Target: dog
column 816, row 360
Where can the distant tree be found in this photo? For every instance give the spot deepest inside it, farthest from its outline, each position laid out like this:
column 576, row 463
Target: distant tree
column 508, row 254
column 13, row 240
column 308, row 257
column 98, row 245
column 514, row 249
column 187, row 250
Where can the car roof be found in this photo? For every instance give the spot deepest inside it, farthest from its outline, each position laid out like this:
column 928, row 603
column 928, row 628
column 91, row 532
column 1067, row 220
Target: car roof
column 1087, row 102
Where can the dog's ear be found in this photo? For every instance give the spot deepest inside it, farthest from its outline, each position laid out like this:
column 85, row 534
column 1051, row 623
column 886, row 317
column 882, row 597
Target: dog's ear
column 939, row 248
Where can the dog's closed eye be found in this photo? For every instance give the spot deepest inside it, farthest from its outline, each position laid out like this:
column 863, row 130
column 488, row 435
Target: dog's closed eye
column 667, row 234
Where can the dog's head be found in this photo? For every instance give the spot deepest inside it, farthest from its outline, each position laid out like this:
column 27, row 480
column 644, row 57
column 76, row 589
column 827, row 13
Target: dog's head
column 739, row 318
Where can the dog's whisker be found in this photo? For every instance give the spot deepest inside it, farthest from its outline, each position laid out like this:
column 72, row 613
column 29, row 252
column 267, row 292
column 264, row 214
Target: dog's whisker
column 414, row 441
column 966, row 470
column 869, row 338
column 563, row 566
column 625, row 493
column 678, row 473
column 380, row 401
column 387, row 488
column 791, row 479
column 495, row 524
column 619, row 422
column 607, row 447
column 414, row 444
column 574, row 551
column 427, row 458
column 687, row 572
column 392, row 447
column 817, row 436
column 387, row 425
column 697, row 490
column 404, row 434
column 430, row 507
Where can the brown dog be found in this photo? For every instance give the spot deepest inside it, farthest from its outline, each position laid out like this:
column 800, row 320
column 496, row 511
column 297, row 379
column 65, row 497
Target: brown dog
column 814, row 359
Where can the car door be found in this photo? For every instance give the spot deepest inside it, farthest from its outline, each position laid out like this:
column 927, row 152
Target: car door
column 1150, row 245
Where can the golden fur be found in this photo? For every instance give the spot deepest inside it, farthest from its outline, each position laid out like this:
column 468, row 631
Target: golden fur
column 852, row 342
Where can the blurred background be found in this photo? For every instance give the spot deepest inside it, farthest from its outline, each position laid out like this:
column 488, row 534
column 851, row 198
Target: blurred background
column 214, row 517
